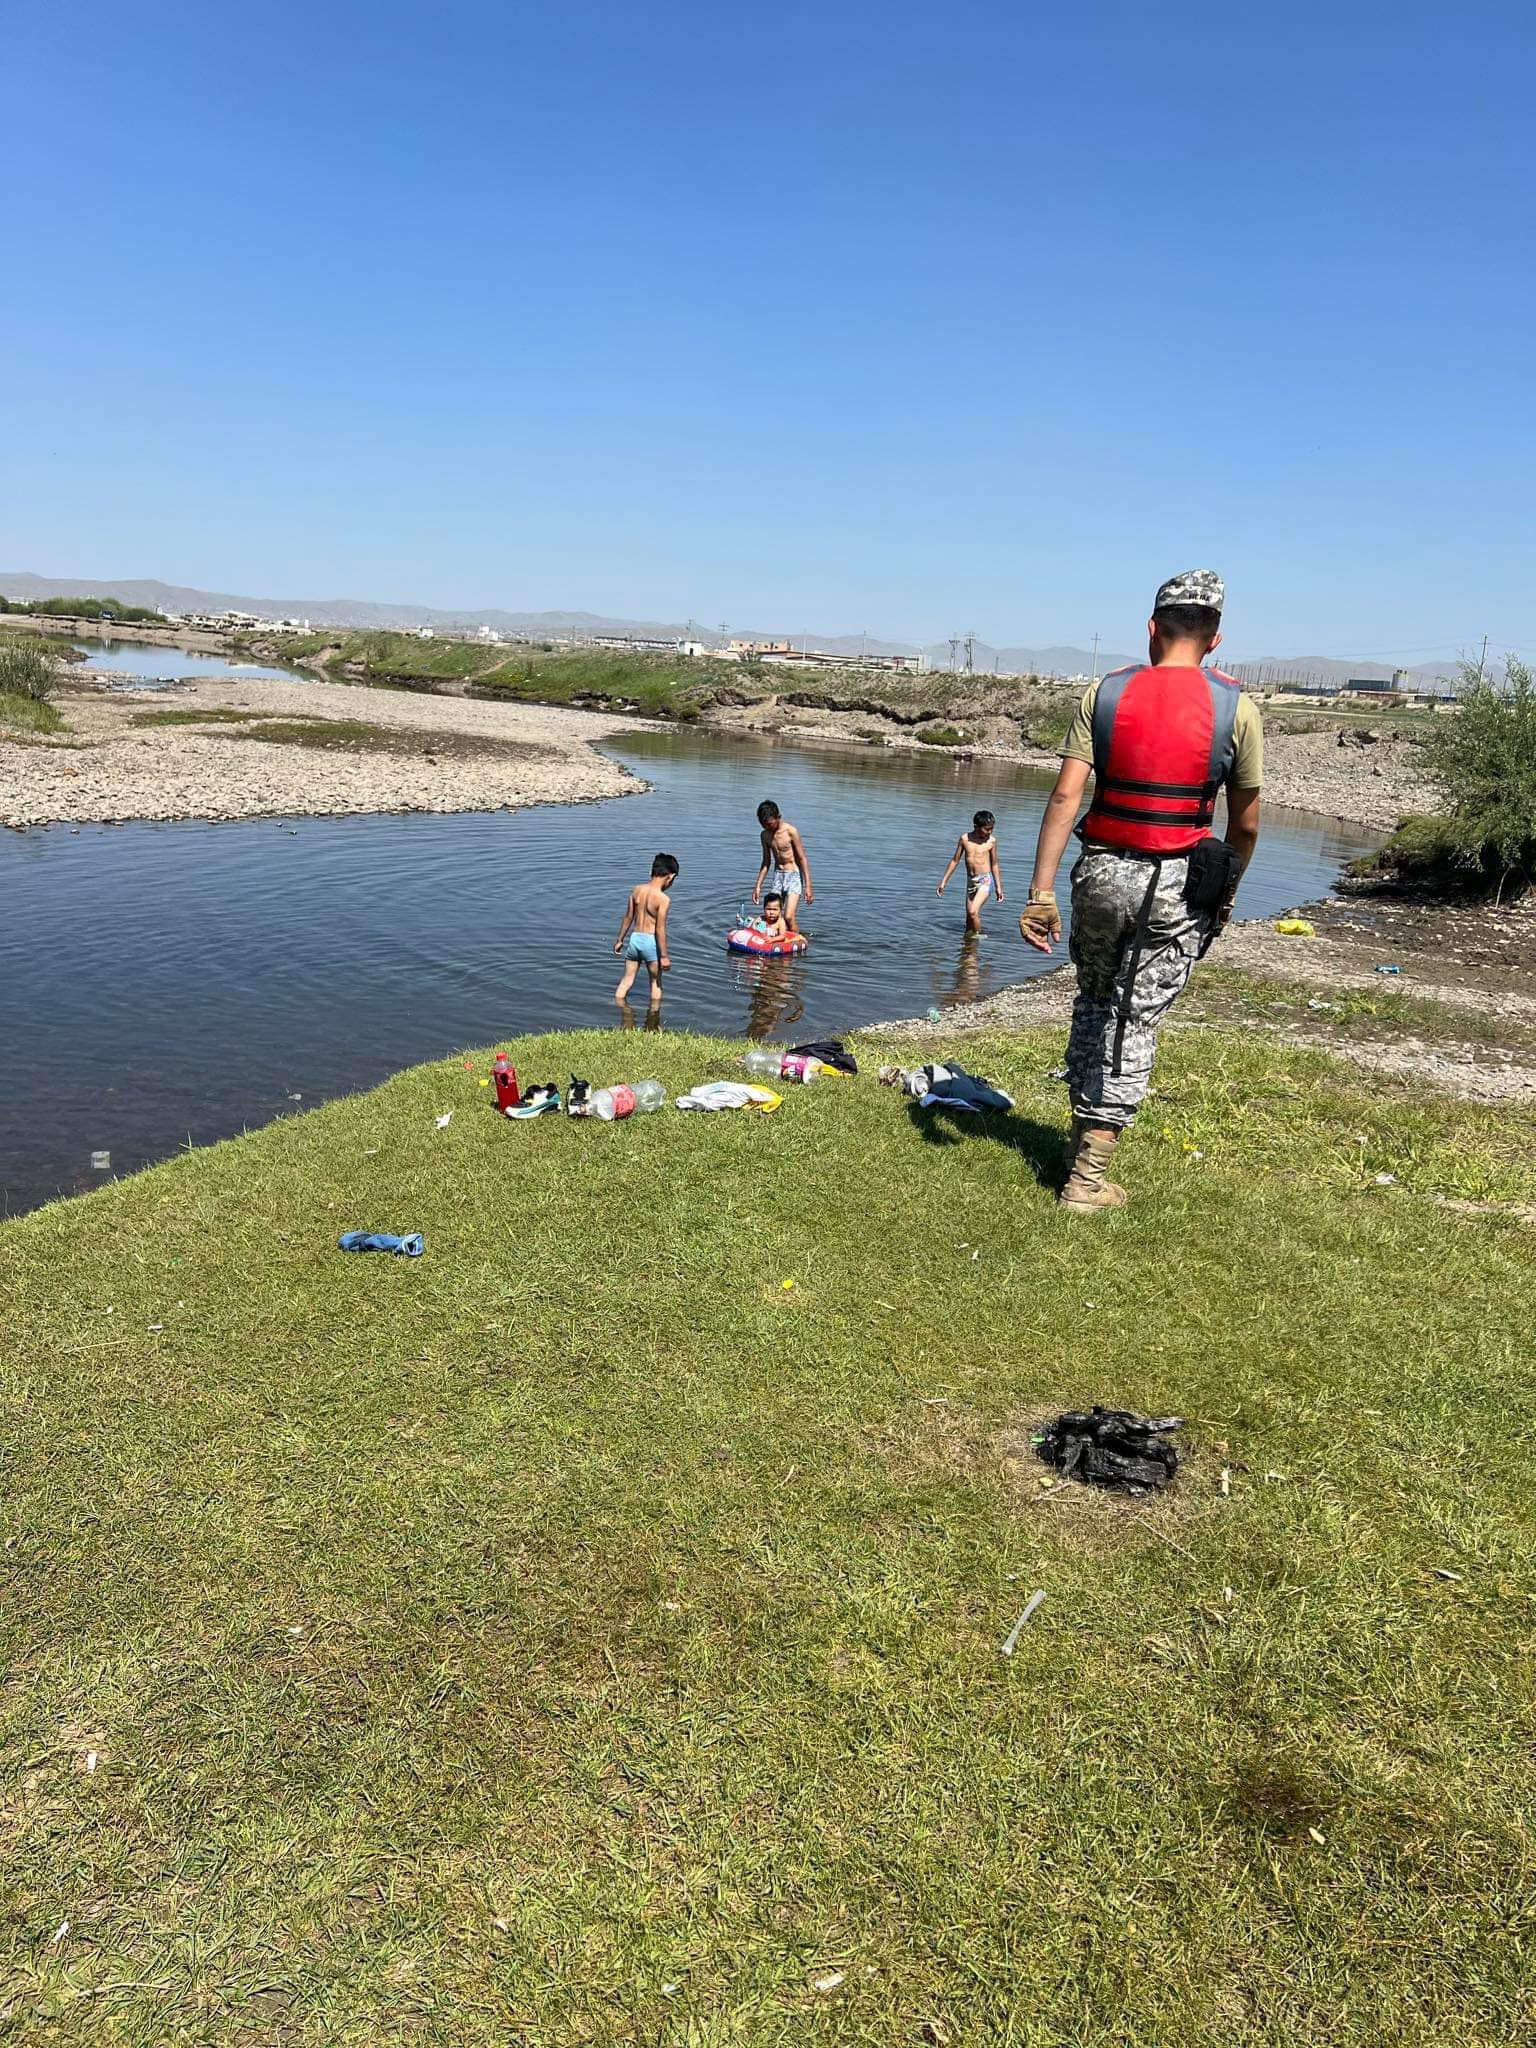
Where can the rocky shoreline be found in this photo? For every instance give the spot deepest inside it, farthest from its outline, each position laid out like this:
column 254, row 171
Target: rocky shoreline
column 1359, row 778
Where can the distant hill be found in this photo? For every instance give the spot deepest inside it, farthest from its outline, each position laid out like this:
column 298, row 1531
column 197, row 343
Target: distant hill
column 986, row 659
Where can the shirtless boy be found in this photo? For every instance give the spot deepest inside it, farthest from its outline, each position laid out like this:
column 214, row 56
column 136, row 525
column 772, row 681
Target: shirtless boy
column 645, row 923
column 785, row 870
column 978, row 849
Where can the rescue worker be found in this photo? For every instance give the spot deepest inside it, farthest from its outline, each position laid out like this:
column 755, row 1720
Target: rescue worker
column 1152, row 887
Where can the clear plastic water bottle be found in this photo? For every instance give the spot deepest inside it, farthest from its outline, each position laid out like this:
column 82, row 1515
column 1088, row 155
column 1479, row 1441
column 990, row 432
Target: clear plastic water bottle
column 649, row 1096
column 762, row 1063
column 798, row 1066
column 600, row 1103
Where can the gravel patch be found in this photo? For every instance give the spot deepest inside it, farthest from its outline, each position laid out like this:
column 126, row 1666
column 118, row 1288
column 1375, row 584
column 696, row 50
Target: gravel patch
column 108, row 770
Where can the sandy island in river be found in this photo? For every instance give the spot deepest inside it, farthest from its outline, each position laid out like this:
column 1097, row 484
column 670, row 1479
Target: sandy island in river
column 419, row 754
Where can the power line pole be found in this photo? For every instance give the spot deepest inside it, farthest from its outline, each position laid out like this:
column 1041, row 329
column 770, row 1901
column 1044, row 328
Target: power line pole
column 1482, row 659
column 1095, row 657
column 970, row 654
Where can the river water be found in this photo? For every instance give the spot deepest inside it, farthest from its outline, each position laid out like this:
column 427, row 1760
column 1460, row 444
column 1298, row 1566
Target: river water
column 167, row 983
column 150, row 661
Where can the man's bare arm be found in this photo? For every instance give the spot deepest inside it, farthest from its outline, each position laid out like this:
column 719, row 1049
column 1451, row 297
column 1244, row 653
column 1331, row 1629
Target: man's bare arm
column 1242, row 833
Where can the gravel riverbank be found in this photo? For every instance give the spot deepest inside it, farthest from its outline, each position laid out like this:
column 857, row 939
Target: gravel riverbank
column 1371, row 781
column 421, row 754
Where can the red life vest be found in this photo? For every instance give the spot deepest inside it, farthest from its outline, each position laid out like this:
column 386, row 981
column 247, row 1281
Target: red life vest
column 1162, row 748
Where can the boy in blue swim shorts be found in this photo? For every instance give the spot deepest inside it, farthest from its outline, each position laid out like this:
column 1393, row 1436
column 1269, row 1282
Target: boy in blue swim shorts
column 643, row 934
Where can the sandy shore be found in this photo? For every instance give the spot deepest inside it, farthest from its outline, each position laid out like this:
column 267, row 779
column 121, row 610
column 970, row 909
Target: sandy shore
column 443, row 754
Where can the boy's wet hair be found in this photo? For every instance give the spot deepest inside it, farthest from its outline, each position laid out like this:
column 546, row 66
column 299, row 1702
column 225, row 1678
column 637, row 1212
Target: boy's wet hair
column 1189, row 622
column 663, row 864
column 983, row 821
column 767, row 812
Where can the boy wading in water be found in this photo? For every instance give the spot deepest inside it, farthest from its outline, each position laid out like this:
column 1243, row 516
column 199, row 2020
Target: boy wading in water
column 978, row 849
column 786, row 872
column 1152, row 888
column 645, row 922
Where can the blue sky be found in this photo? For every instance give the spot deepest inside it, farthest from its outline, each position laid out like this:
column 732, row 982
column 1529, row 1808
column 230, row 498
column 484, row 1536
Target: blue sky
column 832, row 315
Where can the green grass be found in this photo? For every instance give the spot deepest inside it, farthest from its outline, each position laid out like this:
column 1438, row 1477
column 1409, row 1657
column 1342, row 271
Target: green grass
column 654, row 686
column 20, row 713
column 579, row 1636
column 941, row 736
column 222, row 716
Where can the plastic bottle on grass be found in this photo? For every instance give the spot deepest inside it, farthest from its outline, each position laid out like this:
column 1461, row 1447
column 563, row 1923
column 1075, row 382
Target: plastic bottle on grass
column 504, row 1075
column 798, row 1066
column 649, row 1096
column 762, row 1062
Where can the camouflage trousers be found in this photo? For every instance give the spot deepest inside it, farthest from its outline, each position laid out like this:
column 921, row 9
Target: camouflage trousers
column 1108, row 890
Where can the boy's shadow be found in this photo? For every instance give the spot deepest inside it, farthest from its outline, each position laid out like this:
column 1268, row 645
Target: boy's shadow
column 1042, row 1147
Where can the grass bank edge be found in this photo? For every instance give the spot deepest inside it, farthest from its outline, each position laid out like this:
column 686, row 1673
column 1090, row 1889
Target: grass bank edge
column 1218, row 1087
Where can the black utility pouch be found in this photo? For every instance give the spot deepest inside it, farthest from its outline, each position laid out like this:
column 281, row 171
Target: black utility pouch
column 1211, row 878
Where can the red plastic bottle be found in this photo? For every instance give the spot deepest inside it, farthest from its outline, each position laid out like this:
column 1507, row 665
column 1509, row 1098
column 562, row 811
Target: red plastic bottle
column 504, row 1075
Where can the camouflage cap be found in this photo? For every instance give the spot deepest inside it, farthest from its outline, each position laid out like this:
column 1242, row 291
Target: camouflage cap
column 1193, row 586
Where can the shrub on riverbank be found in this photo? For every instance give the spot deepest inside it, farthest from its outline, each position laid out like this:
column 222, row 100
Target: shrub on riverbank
column 582, row 1624
column 91, row 608
column 28, row 668
column 1481, row 763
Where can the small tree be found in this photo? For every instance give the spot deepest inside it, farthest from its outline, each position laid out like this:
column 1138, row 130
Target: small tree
column 1481, row 763
column 28, row 668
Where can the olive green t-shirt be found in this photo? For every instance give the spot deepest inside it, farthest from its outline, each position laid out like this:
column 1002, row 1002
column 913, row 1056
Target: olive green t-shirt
column 1247, row 740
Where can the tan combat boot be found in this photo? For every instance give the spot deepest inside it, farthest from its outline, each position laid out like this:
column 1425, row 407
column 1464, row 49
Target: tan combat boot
column 1088, row 1164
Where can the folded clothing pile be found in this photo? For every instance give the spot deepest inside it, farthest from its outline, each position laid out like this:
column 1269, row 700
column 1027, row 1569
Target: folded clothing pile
column 730, row 1095
column 951, row 1087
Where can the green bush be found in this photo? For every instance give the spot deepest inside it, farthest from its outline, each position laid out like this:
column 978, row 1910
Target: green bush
column 941, row 736
column 86, row 608
column 28, row 668
column 1481, row 763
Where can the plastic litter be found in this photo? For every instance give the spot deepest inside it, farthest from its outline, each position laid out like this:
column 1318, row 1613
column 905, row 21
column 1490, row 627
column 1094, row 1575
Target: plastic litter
column 763, row 1060
column 1010, row 1642
column 934, row 1013
column 796, row 1067
column 444, row 1121
column 1393, row 969
column 101, row 1162
column 504, row 1074
column 1112, row 1447
column 1296, row 928
column 649, row 1097
column 410, row 1246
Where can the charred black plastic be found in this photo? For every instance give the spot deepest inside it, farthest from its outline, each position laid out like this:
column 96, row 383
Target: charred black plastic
column 1111, row 1447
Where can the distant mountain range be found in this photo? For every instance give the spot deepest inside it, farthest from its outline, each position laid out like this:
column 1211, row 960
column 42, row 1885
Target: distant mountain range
column 358, row 612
